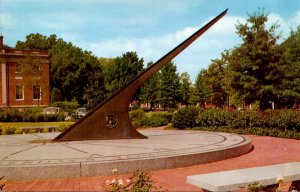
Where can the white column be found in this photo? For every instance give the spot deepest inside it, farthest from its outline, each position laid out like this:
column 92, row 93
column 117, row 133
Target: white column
column 3, row 80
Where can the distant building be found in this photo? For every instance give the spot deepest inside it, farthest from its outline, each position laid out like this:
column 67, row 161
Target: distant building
column 24, row 77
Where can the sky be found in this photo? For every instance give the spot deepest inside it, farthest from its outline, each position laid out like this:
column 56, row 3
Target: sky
column 109, row 28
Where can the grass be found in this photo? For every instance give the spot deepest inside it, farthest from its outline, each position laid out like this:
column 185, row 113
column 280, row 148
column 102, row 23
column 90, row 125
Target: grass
column 17, row 125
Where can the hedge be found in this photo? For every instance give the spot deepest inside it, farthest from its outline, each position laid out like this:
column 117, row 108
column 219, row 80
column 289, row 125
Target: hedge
column 189, row 117
column 278, row 123
column 28, row 115
column 140, row 118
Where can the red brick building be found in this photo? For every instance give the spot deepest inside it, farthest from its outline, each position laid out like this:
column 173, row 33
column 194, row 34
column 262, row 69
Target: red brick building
column 24, row 77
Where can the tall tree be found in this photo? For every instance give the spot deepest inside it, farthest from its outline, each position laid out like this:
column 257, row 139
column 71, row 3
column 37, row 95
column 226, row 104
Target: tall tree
column 255, row 64
column 123, row 70
column 37, row 41
column 149, row 91
column 71, row 71
column 185, row 86
column 290, row 88
column 203, row 92
column 169, row 89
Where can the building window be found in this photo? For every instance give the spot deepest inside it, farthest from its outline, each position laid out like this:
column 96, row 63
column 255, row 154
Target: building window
column 36, row 68
column 19, row 68
column 19, row 92
column 36, row 92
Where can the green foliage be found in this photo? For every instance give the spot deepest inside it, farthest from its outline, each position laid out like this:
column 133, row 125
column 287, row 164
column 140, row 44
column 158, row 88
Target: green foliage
column 122, row 70
column 185, row 117
column 37, row 41
column 283, row 123
column 290, row 87
column 154, row 120
column 140, row 118
column 75, row 72
column 10, row 130
column 63, row 127
column 28, row 115
column 137, row 114
column 212, row 117
column 67, row 106
column 149, row 91
column 94, row 93
column 255, row 187
column 185, row 88
column 56, row 95
column 169, row 93
column 136, row 117
column 202, row 90
column 255, row 65
column 142, row 182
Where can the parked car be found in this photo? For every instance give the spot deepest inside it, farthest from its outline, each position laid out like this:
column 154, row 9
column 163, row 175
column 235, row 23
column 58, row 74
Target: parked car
column 81, row 112
column 53, row 110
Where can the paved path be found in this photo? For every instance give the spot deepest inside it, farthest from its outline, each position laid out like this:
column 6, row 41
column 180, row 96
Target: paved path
column 268, row 150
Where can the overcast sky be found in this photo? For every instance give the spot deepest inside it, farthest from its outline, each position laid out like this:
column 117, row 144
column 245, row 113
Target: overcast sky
column 109, row 28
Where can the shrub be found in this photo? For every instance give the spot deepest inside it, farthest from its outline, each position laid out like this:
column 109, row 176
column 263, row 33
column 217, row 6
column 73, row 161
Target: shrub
column 139, row 118
column 212, row 117
column 10, row 130
column 185, row 117
column 28, row 115
column 255, row 187
column 140, row 182
column 56, row 95
column 63, row 127
column 171, row 110
column 154, row 120
column 137, row 114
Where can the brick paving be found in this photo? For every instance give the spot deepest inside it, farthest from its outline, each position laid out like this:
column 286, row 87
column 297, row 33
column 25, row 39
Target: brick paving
column 267, row 151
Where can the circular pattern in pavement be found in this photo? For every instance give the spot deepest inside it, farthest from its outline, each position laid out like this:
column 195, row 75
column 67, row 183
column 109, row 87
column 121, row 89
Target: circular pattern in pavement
column 32, row 156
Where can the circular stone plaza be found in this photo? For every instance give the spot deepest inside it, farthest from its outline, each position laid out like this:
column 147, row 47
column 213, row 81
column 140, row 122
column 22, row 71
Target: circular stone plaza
column 31, row 162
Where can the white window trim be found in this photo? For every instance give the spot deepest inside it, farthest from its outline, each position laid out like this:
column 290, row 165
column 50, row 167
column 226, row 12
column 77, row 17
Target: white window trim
column 22, row 93
column 18, row 72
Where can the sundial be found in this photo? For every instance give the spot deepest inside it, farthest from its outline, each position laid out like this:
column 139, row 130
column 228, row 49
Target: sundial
column 110, row 119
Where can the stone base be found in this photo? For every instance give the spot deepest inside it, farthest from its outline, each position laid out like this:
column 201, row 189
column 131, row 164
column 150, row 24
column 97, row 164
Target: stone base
column 34, row 156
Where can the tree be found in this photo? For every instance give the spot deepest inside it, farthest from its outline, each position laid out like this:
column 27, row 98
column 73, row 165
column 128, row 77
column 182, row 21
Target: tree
column 185, row 86
column 255, row 64
column 169, row 86
column 56, row 95
column 203, row 92
column 123, row 70
column 149, row 91
column 290, row 88
column 94, row 92
column 71, row 70
column 37, row 41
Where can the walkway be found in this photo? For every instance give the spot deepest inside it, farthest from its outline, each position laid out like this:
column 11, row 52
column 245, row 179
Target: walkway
column 267, row 151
